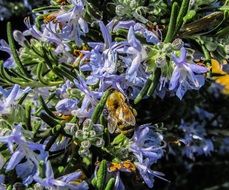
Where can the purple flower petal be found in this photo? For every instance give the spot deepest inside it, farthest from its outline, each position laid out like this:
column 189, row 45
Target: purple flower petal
column 106, row 34
column 174, row 79
column 133, row 41
column 14, row 160
column 197, row 68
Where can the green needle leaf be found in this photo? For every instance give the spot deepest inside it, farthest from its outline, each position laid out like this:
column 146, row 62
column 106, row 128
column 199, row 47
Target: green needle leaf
column 144, row 90
column 100, row 106
column 101, row 175
column 156, row 79
column 110, row 184
column 183, row 11
column 172, row 23
column 14, row 51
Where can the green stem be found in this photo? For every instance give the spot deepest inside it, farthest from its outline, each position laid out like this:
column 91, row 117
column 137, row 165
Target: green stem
column 41, row 169
column 39, row 74
column 46, row 57
column 100, row 106
column 42, row 80
column 223, row 32
column 28, row 118
column 7, row 77
column 20, row 75
column 101, row 175
column 47, row 110
column 48, row 119
column 14, row 51
column 110, row 184
column 60, row 72
column 11, row 80
column 206, row 55
column 38, row 19
column 71, row 74
column 47, row 101
column 183, row 11
column 21, row 100
column 207, row 59
column 54, row 137
column 144, row 90
column 156, row 79
column 51, row 8
column 172, row 23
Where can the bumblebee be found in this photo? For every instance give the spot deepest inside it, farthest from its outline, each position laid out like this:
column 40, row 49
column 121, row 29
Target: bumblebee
column 121, row 116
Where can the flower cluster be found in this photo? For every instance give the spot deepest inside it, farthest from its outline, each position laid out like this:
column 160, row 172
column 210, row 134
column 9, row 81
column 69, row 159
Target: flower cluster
column 73, row 97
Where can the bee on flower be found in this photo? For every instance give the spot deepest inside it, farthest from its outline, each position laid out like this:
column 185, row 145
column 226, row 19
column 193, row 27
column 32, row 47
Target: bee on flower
column 121, row 116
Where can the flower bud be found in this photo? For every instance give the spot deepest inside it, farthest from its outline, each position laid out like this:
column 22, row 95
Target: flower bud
column 86, row 144
column 133, row 4
column 79, row 134
column 120, row 10
column 92, row 133
column 18, row 186
column 87, row 125
column 85, row 134
column 177, row 44
column 70, row 128
column 100, row 142
column 84, row 152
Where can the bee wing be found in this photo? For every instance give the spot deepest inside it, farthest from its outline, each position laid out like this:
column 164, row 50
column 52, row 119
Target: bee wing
column 112, row 124
column 126, row 115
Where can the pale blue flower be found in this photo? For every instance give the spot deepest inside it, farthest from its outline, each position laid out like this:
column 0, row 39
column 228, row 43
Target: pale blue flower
column 186, row 76
column 19, row 37
column 137, row 50
column 147, row 144
column 61, row 183
column 66, row 105
column 86, row 108
column 81, row 84
column 50, row 33
column 2, row 186
column 116, row 64
column 26, row 171
column 150, row 36
column 89, row 101
column 9, row 97
column 147, row 173
column 9, row 63
column 15, row 137
column 63, row 90
column 25, row 149
column 33, row 31
column 73, row 24
column 195, row 140
column 133, row 55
